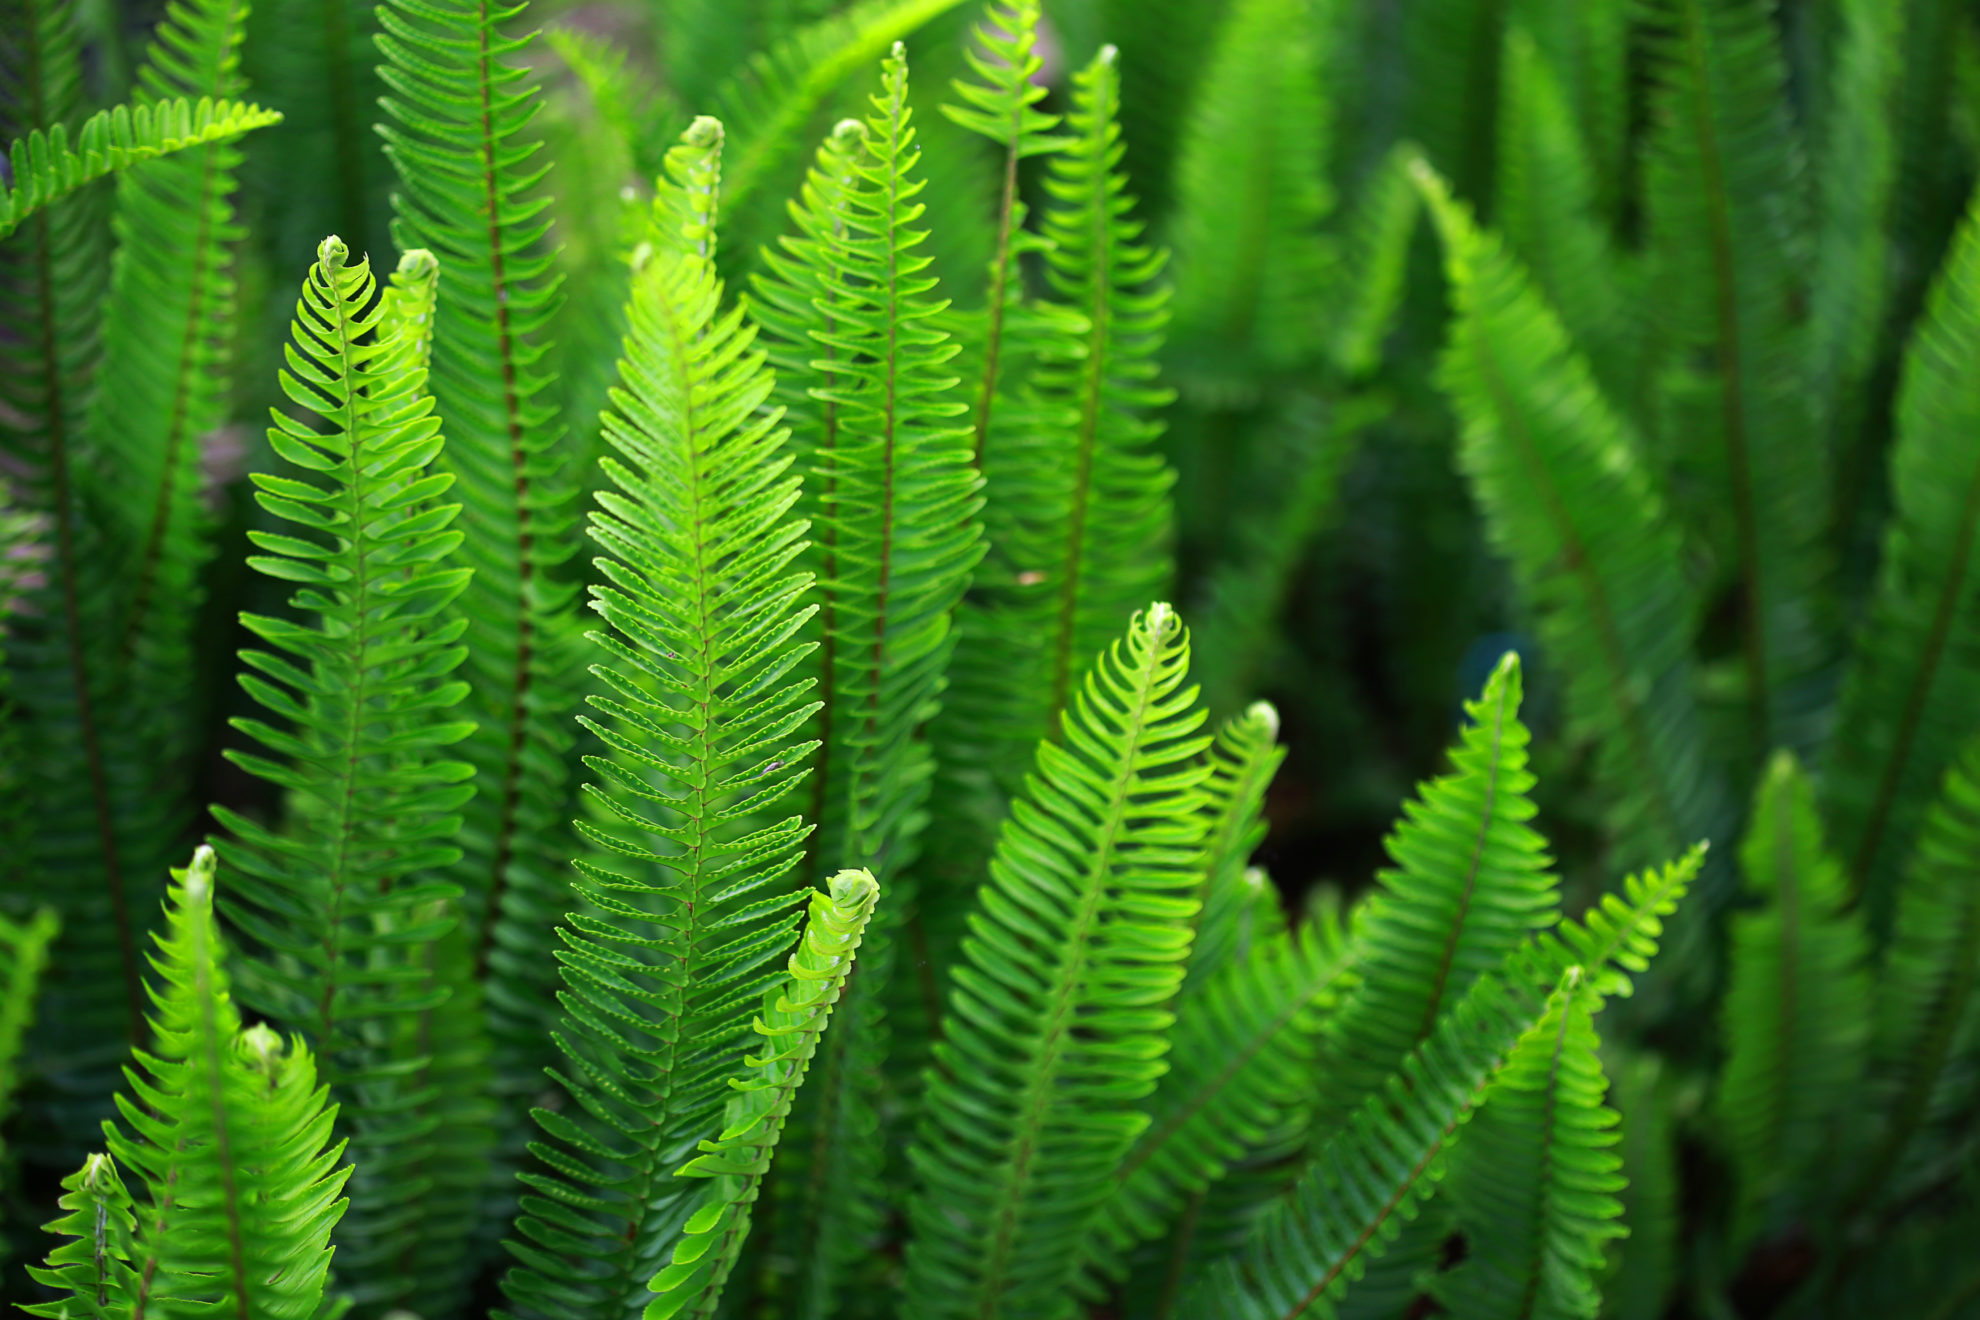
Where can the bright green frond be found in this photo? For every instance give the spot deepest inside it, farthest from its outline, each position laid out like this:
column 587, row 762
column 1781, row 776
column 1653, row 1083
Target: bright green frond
column 1911, row 690
column 91, row 1271
column 24, row 952
column 1059, row 1007
column 1567, row 499
column 1797, row 1013
column 1243, row 760
column 1586, row 47
column 1728, row 219
column 1534, row 1183
column 47, row 168
column 795, row 1013
column 686, row 904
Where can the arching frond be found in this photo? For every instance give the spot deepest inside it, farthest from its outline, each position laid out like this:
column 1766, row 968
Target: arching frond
column 795, row 1014
column 687, row 903
column 1057, row 1011
column 1797, row 1011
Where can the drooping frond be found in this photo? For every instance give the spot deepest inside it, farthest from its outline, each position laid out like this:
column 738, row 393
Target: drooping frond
column 228, row 1133
column 1058, row 1009
column 1251, row 191
column 1243, row 759
column 47, row 168
column 1728, row 222
column 687, row 904
column 1926, row 1035
column 340, row 905
column 1374, row 1172
column 1534, row 1182
column 893, row 501
column 1797, row 1011
column 457, row 129
column 1244, row 1050
column 1913, row 685
column 795, row 1014
column 1470, row 880
column 1567, row 499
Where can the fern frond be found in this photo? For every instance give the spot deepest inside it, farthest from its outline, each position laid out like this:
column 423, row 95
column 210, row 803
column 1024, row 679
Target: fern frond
column 1374, row 1173
column 1913, row 685
column 1378, row 234
column 229, row 1134
column 1568, row 501
column 1728, row 223
column 1251, row 192
column 93, row 1269
column 1451, row 56
column 1642, row 1284
column 1244, row 1047
column 46, row 168
column 687, row 905
column 339, row 905
column 457, row 130
column 1586, row 47
column 890, row 490
column 1534, row 1182
column 1797, row 1011
column 1057, row 1011
column 1243, row 759
column 24, row 953
column 795, row 1014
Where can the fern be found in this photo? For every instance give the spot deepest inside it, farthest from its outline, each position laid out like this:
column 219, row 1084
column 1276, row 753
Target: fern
column 680, row 922
column 1243, row 759
column 1909, row 690
column 1534, row 1182
column 1727, row 215
column 795, row 1013
column 24, row 952
column 1056, row 1012
column 891, row 493
column 1797, row 1013
column 1374, row 1173
column 340, row 905
column 457, row 131
column 1375, row 262
column 1642, row 1283
column 1569, row 503
column 228, row 1132
column 1586, row 48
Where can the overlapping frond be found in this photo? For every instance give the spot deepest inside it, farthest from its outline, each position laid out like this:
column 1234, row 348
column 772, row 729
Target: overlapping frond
column 1568, row 500
column 1373, row 1174
column 1913, row 687
column 795, row 1014
column 1797, row 1011
column 687, row 903
column 1252, row 187
column 1728, row 219
column 1243, row 759
column 1058, row 1010
column 228, row 1133
column 894, row 503
column 341, row 903
column 1534, row 1182
column 457, row 130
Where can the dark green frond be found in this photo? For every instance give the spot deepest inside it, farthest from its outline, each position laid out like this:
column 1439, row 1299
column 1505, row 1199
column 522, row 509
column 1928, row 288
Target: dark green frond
column 24, row 951
column 686, row 904
column 1378, row 234
column 1650, row 1270
column 1058, row 1008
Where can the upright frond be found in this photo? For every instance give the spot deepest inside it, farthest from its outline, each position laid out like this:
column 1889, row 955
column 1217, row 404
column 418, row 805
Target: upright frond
column 1243, row 759
column 91, row 1272
column 687, row 903
column 24, row 950
column 340, row 904
column 1797, row 1011
column 1059, row 1006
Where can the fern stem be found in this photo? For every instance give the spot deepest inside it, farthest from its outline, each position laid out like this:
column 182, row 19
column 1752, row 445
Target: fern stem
column 1000, row 274
column 213, row 1039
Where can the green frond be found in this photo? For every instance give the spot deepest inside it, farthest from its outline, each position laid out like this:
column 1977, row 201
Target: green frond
column 1727, row 215
column 864, row 369
column 795, row 1014
column 93, row 1269
column 1567, row 499
column 1243, row 759
column 1469, row 882
column 638, row 116
column 1244, row 1050
column 1797, row 1011
column 1451, row 57
column 1372, row 1175
column 1650, row 1271
column 46, row 168
column 1548, row 208
column 458, row 131
column 1912, row 687
column 1252, row 188
column 1534, row 1182
column 1585, row 45
column 777, row 101
column 339, row 905
column 1058, row 1008
column 1379, row 231
column 228, row 1133
column 686, row 904
column 1925, row 1033
column 24, row 953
